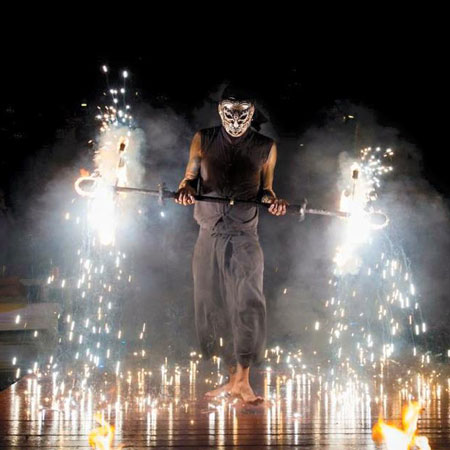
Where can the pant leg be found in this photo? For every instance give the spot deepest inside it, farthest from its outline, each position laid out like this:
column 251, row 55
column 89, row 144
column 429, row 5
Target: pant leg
column 212, row 318
column 245, row 298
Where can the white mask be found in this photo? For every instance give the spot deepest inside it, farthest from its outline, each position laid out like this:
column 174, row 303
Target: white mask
column 236, row 116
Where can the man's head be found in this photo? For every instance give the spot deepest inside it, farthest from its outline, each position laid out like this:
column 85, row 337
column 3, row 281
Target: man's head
column 236, row 110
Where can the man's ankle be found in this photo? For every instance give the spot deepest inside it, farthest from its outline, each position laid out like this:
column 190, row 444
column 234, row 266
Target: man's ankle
column 242, row 373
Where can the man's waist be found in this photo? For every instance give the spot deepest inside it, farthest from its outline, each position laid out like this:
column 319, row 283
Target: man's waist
column 230, row 192
column 233, row 214
column 219, row 230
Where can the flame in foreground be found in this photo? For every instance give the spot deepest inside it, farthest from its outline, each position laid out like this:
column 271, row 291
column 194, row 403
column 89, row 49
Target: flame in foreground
column 404, row 438
column 101, row 438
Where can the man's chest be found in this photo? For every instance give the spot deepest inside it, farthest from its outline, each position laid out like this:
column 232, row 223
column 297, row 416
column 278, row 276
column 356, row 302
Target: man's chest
column 231, row 159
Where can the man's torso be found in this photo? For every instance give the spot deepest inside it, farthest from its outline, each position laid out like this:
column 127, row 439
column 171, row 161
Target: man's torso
column 230, row 167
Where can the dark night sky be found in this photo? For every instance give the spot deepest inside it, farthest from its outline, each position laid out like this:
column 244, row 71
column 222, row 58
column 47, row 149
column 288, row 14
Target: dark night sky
column 404, row 85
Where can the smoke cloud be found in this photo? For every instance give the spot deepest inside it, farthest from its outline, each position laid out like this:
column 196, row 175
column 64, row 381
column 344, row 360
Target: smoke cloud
column 298, row 256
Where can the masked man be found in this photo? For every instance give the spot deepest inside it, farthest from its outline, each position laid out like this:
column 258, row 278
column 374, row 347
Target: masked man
column 232, row 161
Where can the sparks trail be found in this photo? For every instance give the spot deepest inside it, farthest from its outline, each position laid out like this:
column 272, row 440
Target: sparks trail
column 375, row 308
column 98, row 278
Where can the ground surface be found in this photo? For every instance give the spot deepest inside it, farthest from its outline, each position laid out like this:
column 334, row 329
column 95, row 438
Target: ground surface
column 303, row 413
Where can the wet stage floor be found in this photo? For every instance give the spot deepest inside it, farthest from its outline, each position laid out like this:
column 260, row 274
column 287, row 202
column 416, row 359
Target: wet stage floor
column 304, row 412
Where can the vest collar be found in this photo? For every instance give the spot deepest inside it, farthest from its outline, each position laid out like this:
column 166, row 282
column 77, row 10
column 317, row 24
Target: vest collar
column 235, row 140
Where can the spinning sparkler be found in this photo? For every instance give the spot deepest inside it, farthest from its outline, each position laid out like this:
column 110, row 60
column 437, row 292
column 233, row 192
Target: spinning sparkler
column 93, row 187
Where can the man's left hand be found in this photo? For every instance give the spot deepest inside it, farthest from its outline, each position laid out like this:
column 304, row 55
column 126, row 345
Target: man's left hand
column 278, row 206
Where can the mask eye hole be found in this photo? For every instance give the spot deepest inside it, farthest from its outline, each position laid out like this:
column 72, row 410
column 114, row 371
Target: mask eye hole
column 228, row 113
column 244, row 115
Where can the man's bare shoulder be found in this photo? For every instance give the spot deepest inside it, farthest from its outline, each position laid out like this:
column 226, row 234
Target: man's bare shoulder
column 206, row 136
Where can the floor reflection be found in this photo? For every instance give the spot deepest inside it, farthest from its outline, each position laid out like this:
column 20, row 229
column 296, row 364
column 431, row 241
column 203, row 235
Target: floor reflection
column 169, row 410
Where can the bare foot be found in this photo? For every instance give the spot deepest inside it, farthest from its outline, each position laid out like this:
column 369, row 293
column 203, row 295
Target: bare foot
column 221, row 391
column 224, row 390
column 243, row 390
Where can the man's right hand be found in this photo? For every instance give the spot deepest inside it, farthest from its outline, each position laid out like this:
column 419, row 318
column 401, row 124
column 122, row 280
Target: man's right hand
column 185, row 196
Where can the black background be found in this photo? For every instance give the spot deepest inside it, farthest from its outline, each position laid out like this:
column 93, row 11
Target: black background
column 404, row 84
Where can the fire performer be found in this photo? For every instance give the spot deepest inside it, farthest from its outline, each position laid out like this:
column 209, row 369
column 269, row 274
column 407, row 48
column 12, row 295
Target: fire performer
column 234, row 161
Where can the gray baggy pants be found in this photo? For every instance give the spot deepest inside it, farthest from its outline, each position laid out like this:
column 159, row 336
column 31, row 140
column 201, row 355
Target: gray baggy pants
column 228, row 296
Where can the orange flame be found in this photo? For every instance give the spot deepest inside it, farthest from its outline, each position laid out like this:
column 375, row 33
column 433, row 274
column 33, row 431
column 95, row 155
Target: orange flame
column 404, row 438
column 84, row 172
column 101, row 438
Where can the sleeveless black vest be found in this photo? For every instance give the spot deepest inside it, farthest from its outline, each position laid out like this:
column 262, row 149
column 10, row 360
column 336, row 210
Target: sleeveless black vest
column 230, row 167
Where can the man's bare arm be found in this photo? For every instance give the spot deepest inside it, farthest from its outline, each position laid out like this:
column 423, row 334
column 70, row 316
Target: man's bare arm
column 268, row 171
column 185, row 190
column 278, row 206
